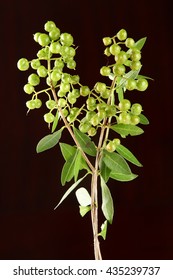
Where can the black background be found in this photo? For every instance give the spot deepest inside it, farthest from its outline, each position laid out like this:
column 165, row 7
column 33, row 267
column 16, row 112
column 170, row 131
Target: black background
column 30, row 183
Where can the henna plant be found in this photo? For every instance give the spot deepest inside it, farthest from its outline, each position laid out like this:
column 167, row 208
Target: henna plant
column 104, row 108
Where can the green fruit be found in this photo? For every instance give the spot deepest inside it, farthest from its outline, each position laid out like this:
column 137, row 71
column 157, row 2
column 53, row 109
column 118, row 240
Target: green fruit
column 91, row 101
column 134, row 120
column 107, row 41
column 55, row 76
column 107, row 52
column 124, row 118
column 124, row 105
column 119, row 69
column 92, row 131
column 44, row 54
column 28, row 88
column 115, row 49
column 54, row 34
column 71, row 64
column 31, row 104
column 34, row 79
column 66, row 39
column 35, row 63
column 116, row 141
column 84, row 127
column 38, row 103
column 36, row 35
column 75, row 79
column 23, row 64
column 42, row 71
column 122, row 35
column 49, row 26
column 50, row 104
column 131, row 84
column 122, row 57
column 49, row 117
column 135, row 65
column 111, row 147
column 95, row 120
column 84, row 90
column 136, row 109
column 129, row 43
column 43, row 40
column 111, row 110
column 142, row 84
column 100, row 87
column 62, row 102
column 55, row 47
column 105, row 71
column 65, row 87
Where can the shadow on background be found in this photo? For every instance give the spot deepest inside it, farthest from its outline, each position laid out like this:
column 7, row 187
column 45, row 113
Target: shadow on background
column 30, row 183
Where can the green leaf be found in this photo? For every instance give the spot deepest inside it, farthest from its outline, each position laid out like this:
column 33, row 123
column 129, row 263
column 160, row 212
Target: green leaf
column 104, row 171
column 107, row 202
column 83, row 210
column 67, row 150
column 70, row 190
column 67, row 172
column 85, row 142
column 116, row 163
column 123, row 177
column 120, row 92
column 49, row 141
column 143, row 119
column 124, row 152
column 55, row 122
column 104, row 227
column 145, row 77
column 83, row 197
column 126, row 129
column 140, row 43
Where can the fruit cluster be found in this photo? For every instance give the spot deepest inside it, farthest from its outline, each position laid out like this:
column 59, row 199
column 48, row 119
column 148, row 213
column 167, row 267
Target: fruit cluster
column 57, row 55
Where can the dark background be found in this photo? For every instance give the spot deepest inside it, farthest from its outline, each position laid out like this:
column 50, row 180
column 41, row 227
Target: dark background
column 30, row 183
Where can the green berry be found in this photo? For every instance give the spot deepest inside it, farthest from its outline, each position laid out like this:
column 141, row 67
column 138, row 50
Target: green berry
column 66, row 39
column 142, row 84
column 116, row 141
column 107, row 41
column 119, row 69
column 129, row 43
column 54, row 34
column 62, row 102
column 92, row 131
column 131, row 84
column 135, row 65
column 100, row 87
column 91, row 101
column 122, row 57
column 31, row 104
column 36, row 35
column 105, row 71
column 136, row 55
column 55, row 47
column 55, row 76
column 28, row 88
column 124, row 118
column 124, row 105
column 35, row 63
column 84, row 90
column 122, row 35
column 115, row 49
column 50, row 104
column 42, row 71
column 65, row 87
column 71, row 64
column 23, row 64
column 43, row 40
column 110, row 110
column 136, row 109
column 84, row 127
column 49, row 117
column 95, row 120
column 34, row 79
column 111, row 147
column 38, row 103
column 49, row 26
column 134, row 120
